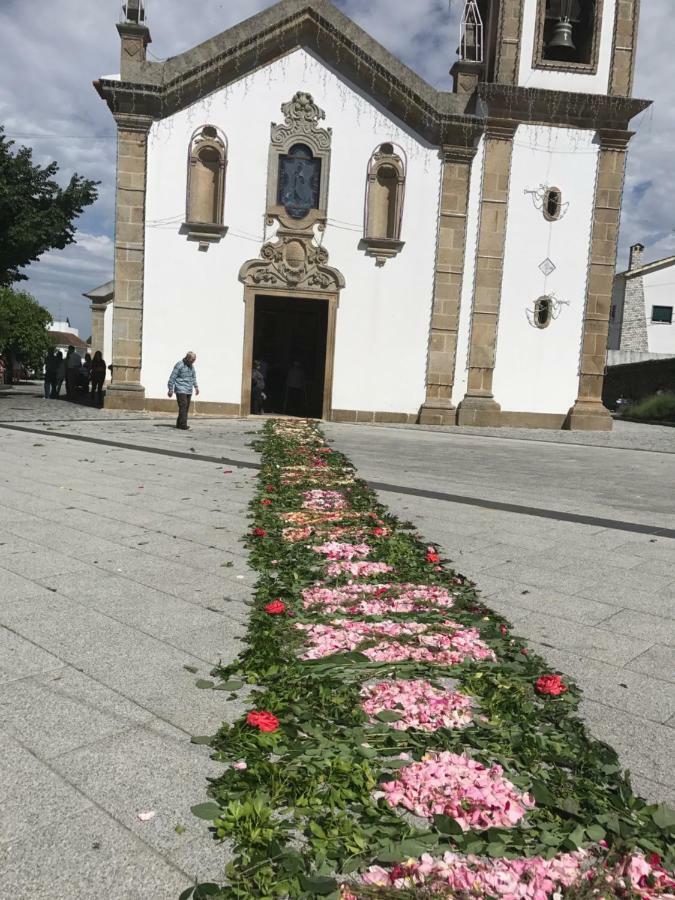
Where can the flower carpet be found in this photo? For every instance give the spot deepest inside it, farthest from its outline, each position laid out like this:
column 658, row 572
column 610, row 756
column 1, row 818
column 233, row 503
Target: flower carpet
column 400, row 741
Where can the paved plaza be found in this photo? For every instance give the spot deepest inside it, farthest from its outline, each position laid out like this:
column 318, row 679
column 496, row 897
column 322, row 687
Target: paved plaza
column 121, row 566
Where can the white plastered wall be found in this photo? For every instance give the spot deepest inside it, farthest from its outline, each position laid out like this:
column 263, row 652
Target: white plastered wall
column 194, row 300
column 537, row 369
column 659, row 288
column 553, row 80
column 108, row 334
column 466, row 303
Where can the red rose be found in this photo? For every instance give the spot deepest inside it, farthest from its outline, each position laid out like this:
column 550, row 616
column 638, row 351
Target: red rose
column 654, row 860
column 263, row 721
column 524, row 651
column 380, row 532
column 551, row 685
column 275, row 608
column 259, row 532
column 266, row 502
column 432, row 556
column 503, row 629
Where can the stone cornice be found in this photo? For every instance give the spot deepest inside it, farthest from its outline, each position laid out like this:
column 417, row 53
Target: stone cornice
column 160, row 89
column 559, row 107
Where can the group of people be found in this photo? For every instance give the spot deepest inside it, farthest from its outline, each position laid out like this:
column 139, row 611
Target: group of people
column 85, row 375
column 295, row 395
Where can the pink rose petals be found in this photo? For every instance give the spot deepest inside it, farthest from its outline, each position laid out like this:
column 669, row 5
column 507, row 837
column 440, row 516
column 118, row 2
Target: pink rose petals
column 509, row 879
column 333, row 550
column 448, row 647
column 358, row 569
column 421, row 705
column 450, row 784
column 329, row 500
column 377, row 599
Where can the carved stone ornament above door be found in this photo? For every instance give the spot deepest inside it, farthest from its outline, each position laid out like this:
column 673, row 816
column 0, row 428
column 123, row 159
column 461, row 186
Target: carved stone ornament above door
column 292, row 263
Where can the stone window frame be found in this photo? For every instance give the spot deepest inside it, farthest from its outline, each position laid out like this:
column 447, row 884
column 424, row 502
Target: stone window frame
column 537, row 306
column 557, row 65
column 301, row 126
column 661, row 321
column 207, row 232
column 544, row 208
column 379, row 247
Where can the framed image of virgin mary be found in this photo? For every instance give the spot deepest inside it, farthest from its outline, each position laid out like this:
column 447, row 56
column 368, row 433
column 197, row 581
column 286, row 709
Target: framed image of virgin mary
column 299, row 182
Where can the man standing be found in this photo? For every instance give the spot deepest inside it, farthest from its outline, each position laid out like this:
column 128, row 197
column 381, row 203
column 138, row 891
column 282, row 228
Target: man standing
column 182, row 382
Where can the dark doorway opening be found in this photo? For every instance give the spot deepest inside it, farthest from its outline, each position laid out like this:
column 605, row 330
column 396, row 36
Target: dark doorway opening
column 289, row 340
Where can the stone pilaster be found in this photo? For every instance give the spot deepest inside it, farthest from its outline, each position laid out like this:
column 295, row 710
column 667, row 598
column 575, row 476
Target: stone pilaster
column 456, row 176
column 97, row 326
column 478, row 406
column 126, row 390
column 624, row 48
column 509, row 28
column 588, row 413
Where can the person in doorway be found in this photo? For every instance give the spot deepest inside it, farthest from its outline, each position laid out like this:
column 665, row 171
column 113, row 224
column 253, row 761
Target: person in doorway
column 182, row 382
column 51, row 366
column 296, row 390
column 258, row 395
column 60, row 372
column 98, row 373
column 73, row 366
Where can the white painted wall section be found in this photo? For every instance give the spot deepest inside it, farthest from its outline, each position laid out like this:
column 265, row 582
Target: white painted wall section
column 537, row 369
column 107, row 335
column 659, row 288
column 194, row 301
column 553, row 80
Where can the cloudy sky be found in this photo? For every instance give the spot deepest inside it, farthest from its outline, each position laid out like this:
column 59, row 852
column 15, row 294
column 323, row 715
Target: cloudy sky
column 53, row 49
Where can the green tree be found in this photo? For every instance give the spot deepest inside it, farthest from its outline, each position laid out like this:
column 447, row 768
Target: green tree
column 36, row 214
column 23, row 327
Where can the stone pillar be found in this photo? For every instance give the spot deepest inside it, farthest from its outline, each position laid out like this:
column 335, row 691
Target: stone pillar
column 507, row 50
column 588, row 413
column 126, row 390
column 97, row 326
column 478, row 406
column 623, row 51
column 456, row 175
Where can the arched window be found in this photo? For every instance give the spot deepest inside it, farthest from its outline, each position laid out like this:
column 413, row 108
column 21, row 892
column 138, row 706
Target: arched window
column 552, row 205
column 385, row 194
column 207, row 165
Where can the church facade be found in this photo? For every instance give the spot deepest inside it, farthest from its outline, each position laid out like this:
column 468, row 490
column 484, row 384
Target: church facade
column 290, row 192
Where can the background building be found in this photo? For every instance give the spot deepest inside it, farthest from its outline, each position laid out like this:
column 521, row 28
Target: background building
column 642, row 323
column 290, row 191
column 64, row 336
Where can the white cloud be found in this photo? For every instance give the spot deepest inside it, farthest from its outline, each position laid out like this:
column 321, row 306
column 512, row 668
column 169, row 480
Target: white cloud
column 52, row 51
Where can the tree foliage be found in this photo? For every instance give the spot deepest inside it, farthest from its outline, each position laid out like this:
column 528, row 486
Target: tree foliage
column 36, row 214
column 23, row 327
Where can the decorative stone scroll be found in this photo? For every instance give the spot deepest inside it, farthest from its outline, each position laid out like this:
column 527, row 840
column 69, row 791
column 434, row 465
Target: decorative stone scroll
column 292, row 262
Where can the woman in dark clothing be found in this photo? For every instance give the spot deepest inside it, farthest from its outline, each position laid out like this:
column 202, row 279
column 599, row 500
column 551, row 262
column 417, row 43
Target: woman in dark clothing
column 98, row 372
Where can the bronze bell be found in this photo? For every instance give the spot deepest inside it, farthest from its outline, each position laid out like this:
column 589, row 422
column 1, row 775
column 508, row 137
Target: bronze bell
column 562, row 36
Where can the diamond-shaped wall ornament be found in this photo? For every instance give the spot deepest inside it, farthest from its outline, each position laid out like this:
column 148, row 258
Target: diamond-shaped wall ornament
column 548, row 266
